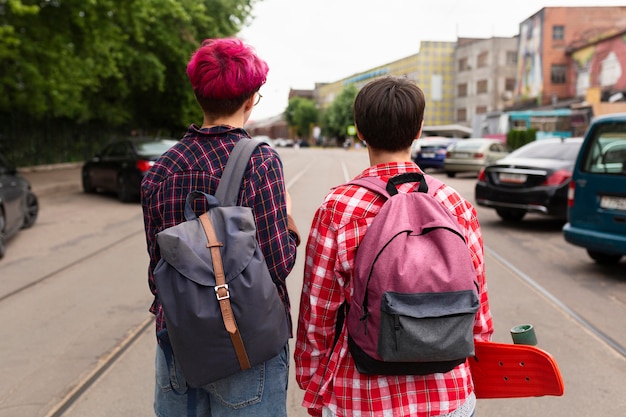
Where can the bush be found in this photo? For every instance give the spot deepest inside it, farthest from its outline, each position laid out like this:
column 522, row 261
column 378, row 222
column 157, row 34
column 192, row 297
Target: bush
column 518, row 138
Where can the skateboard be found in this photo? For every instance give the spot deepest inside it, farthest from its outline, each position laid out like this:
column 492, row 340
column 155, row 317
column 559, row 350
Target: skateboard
column 501, row 370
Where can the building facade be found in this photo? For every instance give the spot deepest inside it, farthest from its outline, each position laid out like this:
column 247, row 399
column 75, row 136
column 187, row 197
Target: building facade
column 485, row 76
column 543, row 63
column 432, row 69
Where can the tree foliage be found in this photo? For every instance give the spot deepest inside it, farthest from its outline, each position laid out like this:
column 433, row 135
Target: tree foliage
column 339, row 115
column 301, row 114
column 110, row 62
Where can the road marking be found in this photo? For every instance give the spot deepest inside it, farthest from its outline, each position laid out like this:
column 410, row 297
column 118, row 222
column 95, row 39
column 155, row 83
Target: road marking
column 299, row 175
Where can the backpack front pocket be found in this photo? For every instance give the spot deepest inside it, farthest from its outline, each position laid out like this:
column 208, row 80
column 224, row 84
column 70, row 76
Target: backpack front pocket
column 427, row 327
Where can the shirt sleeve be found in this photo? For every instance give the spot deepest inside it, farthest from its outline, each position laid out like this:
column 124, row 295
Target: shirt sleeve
column 277, row 239
column 319, row 301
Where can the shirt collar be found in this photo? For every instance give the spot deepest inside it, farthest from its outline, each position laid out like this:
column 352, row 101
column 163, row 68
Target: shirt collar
column 389, row 169
column 215, row 130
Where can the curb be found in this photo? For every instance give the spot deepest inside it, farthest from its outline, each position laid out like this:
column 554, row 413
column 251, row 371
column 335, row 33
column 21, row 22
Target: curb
column 50, row 167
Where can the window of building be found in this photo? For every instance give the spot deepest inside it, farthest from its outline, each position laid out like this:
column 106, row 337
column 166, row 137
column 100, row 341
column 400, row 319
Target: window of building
column 482, row 59
column 481, row 87
column 558, row 74
column 481, row 109
column 461, row 115
column 558, row 32
column 511, row 57
column 462, row 90
column 436, row 87
column 509, row 84
column 463, row 65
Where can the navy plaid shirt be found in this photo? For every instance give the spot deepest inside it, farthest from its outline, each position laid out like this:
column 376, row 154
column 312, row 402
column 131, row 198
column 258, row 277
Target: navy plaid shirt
column 196, row 163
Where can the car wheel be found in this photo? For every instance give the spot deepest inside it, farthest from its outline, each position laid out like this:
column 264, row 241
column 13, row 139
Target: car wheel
column 450, row 174
column 604, row 258
column 124, row 193
column 88, row 188
column 32, row 210
column 511, row 215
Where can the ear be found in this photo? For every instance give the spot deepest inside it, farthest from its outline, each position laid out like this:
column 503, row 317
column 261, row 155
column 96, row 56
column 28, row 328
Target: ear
column 419, row 134
column 358, row 133
column 249, row 104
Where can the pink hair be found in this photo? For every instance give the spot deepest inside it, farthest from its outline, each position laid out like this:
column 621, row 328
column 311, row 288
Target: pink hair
column 226, row 69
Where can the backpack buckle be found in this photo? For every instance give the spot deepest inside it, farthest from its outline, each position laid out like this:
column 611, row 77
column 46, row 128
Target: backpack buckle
column 223, row 296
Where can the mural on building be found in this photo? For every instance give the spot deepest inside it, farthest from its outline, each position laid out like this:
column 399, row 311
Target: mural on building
column 601, row 65
column 529, row 66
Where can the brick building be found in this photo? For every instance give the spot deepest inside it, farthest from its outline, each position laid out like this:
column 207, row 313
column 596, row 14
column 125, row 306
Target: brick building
column 543, row 63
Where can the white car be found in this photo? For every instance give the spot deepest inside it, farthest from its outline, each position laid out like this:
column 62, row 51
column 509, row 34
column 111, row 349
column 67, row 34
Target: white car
column 470, row 155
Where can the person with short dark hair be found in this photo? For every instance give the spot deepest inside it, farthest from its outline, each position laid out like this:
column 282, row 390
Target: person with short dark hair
column 226, row 76
column 388, row 115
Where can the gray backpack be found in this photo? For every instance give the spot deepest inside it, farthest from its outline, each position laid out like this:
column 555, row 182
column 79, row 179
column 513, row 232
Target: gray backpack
column 222, row 310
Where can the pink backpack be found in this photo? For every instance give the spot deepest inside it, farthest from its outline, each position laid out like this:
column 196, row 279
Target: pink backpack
column 415, row 290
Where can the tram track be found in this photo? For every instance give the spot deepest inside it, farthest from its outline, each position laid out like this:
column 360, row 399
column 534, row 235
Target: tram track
column 65, row 267
column 560, row 305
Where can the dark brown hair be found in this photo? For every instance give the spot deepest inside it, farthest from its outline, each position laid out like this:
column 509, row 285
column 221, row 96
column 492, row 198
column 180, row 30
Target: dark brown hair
column 388, row 112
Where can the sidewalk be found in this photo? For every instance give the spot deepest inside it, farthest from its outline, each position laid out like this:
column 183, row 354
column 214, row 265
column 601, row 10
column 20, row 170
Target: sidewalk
column 126, row 388
column 47, row 180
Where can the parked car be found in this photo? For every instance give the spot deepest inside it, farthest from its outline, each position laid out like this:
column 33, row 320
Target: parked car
column 284, row 143
column 597, row 192
column 121, row 165
column 431, row 152
column 19, row 206
column 470, row 155
column 534, row 178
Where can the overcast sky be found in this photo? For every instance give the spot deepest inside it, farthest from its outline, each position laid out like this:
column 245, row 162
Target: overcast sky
column 309, row 41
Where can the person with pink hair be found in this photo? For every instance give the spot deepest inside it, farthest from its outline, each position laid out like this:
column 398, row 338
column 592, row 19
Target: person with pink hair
column 226, row 76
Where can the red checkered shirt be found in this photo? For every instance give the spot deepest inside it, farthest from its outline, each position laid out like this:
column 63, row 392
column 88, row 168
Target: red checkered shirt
column 326, row 371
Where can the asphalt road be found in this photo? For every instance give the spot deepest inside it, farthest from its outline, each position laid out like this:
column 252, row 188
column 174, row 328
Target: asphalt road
column 81, row 343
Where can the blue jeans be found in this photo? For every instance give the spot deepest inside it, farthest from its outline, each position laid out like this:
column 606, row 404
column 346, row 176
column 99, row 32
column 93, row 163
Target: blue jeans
column 260, row 391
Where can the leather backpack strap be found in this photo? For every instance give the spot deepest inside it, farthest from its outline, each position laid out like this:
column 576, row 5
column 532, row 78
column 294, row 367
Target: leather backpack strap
column 222, row 293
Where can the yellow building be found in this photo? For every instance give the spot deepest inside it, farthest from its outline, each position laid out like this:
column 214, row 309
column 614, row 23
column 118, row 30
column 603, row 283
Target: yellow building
column 432, row 69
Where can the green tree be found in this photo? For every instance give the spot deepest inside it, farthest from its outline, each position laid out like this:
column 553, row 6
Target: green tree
column 112, row 63
column 339, row 115
column 106, row 59
column 301, row 114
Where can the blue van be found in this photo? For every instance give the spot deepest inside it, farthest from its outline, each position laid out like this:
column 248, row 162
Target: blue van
column 597, row 192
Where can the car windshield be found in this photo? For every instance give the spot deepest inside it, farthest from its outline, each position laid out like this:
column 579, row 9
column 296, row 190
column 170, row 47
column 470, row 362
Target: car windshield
column 565, row 150
column 154, row 148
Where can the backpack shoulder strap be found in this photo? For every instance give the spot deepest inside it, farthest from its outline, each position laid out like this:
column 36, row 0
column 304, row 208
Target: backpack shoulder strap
column 433, row 183
column 232, row 177
column 374, row 184
column 388, row 189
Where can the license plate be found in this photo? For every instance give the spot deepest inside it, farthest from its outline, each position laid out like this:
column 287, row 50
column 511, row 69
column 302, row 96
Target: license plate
column 461, row 155
column 512, row 178
column 613, row 203
column 428, row 155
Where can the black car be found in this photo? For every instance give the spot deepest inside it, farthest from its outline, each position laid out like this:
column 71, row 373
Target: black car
column 534, row 178
column 18, row 204
column 121, row 165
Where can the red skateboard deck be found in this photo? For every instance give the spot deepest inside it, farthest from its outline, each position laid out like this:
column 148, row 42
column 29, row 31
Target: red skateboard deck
column 501, row 370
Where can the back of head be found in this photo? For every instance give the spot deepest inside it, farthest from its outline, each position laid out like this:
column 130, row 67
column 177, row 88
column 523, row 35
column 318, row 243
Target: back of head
column 388, row 113
column 224, row 73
